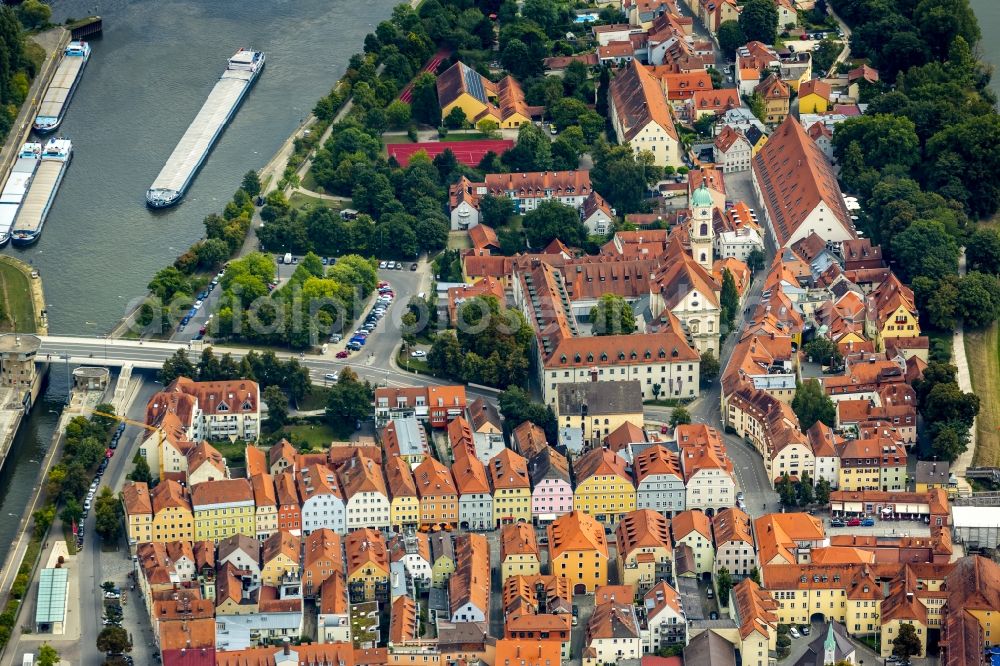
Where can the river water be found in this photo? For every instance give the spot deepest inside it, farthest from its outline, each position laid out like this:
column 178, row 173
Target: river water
column 148, row 76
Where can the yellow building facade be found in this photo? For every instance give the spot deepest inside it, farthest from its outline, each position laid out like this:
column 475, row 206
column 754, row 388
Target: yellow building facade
column 605, row 498
column 512, row 505
column 366, row 578
column 174, row 523
column 276, row 567
column 524, row 564
column 218, row 523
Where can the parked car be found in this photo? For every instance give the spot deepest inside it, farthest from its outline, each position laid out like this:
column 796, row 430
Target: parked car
column 343, row 354
column 391, row 265
column 837, row 522
column 418, row 353
column 383, row 264
column 868, row 522
column 854, row 522
column 336, row 337
column 805, row 629
column 413, row 267
column 793, row 632
column 354, row 346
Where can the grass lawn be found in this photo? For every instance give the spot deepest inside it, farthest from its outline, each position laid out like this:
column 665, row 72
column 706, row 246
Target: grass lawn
column 467, row 136
column 983, row 351
column 309, row 182
column 233, row 452
column 15, row 294
column 395, row 138
column 315, row 399
column 417, row 365
column 316, row 434
column 300, row 201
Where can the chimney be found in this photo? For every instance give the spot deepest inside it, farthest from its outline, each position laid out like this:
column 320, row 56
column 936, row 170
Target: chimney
column 285, row 650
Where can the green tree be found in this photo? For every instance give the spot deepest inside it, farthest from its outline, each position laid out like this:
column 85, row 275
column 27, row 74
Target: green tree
column 350, row 401
column 941, row 21
column 804, row 488
column 108, row 515
column 566, row 111
column 949, row 441
column 906, row 644
column 925, row 248
column 47, row 655
column 812, row 404
column 612, row 316
column 823, row 492
column 885, row 140
column 709, row 368
column 169, row 282
column 755, row 575
column 731, row 37
column 786, row 491
column 729, row 299
column 755, row 260
column 623, row 177
column 517, row 407
column 140, row 472
column 979, row 299
column 533, row 151
column 398, row 114
column 424, row 100
column 42, row 519
column 34, row 14
column 178, row 365
column 251, row 183
column 552, row 219
column 759, row 21
column 496, row 211
column 679, row 416
column 113, row 640
column 456, row 118
column 723, row 581
column 823, row 351
column 947, row 402
column 982, row 250
column 71, row 512
column 757, row 106
column 277, row 407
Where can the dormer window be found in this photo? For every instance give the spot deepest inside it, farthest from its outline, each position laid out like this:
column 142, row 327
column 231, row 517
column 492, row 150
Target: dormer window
column 223, row 407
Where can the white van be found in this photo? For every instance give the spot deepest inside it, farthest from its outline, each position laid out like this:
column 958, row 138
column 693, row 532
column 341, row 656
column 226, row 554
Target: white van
column 288, row 258
column 29, row 659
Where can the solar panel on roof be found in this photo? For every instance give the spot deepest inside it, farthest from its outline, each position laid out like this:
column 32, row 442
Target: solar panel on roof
column 474, row 84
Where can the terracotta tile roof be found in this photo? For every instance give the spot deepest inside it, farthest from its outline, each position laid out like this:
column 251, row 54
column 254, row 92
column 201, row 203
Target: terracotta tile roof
column 433, row 479
column 135, row 495
column 642, row 529
column 204, row 554
column 730, row 525
column 471, row 581
column 613, row 50
column 614, row 593
column 890, row 296
column 399, row 478
column 817, row 130
column 518, row 539
column 341, row 654
column 823, row 441
column 482, row 413
column 326, row 545
column 488, row 286
column 773, row 88
column 690, row 521
column 366, row 546
column 600, row 462
column 549, row 464
column 515, row 652
column 482, row 264
column 317, row 480
column 333, row 596
column 263, row 490
column 362, row 475
column 755, row 608
column 286, row 489
column 403, row 623
column 936, row 499
column 256, row 461
column 238, row 543
column 625, row 434
column 701, row 448
column 469, row 473
column 560, row 63
column 529, row 439
column 484, row 237
column 656, row 459
column 281, row 450
column 521, row 594
column 576, row 531
column 508, row 470
column 902, row 602
column 239, row 396
column 727, row 137
column 795, row 177
column 881, row 451
column 638, row 100
column 869, row 74
column 281, row 543
column 461, row 79
column 226, row 491
column 612, row 620
column 193, row 634
column 676, row 279
column 779, row 533
column 595, row 202
column 841, row 555
column 817, row 86
column 680, row 86
column 662, row 596
column 718, row 101
column 539, row 184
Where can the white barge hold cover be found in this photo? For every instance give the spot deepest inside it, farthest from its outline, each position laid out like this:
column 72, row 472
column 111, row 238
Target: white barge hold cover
column 43, row 186
column 61, row 86
column 198, row 138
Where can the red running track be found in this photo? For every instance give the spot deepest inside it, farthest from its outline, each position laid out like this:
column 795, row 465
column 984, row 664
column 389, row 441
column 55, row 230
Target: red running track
column 431, row 66
column 469, row 153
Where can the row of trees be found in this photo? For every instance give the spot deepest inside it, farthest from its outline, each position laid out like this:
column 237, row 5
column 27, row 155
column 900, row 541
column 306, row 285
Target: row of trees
column 16, row 68
column 265, row 368
column 948, row 412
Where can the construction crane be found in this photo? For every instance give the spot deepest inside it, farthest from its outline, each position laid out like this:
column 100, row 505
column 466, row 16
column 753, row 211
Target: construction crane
column 156, row 429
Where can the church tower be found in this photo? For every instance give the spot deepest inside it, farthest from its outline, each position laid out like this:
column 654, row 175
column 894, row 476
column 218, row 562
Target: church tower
column 700, row 227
